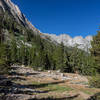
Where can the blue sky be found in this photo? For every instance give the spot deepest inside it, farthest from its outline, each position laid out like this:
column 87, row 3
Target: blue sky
column 73, row 17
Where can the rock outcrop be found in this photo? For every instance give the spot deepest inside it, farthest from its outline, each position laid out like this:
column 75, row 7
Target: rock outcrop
column 7, row 5
column 79, row 41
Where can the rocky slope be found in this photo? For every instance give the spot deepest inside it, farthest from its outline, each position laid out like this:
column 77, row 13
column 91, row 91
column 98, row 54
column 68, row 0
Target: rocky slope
column 8, row 5
column 28, row 84
column 80, row 42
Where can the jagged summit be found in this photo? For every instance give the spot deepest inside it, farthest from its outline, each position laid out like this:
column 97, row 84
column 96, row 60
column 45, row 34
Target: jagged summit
column 8, row 5
column 79, row 41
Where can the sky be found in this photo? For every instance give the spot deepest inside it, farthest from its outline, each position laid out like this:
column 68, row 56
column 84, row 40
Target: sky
column 72, row 17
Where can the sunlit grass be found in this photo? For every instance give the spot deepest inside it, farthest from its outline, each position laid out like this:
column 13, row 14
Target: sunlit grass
column 89, row 92
column 59, row 88
column 52, row 87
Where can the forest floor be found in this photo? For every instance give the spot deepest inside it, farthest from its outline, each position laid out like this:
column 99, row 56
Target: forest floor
column 28, row 84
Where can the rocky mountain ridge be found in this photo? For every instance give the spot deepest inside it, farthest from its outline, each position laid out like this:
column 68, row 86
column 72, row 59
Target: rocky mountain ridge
column 8, row 5
column 79, row 41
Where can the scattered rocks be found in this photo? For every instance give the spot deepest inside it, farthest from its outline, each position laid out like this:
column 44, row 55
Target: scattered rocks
column 25, row 91
column 23, row 66
column 62, row 75
column 80, row 83
column 58, row 71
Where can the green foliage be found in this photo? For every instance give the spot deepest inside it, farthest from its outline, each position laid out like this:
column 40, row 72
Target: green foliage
column 4, row 61
column 95, row 81
column 95, row 51
column 4, row 68
column 13, row 50
column 27, row 47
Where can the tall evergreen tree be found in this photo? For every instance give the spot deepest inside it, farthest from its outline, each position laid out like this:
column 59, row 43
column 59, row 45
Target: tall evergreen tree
column 13, row 49
column 4, row 61
column 95, row 50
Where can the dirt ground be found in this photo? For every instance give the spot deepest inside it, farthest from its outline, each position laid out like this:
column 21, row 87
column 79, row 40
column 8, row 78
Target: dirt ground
column 29, row 84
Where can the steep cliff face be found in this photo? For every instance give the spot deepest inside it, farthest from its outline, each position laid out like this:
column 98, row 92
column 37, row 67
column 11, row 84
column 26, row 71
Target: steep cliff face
column 7, row 5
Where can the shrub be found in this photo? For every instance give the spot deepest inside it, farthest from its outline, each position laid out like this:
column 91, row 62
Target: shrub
column 95, row 81
column 4, row 68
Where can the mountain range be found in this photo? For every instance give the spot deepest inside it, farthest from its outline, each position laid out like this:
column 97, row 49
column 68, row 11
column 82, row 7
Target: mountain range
column 79, row 41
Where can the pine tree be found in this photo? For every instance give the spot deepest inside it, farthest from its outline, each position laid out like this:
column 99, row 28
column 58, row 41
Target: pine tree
column 64, row 59
column 95, row 50
column 4, row 62
column 1, row 27
column 13, row 49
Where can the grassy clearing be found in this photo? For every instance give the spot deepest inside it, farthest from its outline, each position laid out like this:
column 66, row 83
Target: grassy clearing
column 89, row 92
column 53, row 87
column 59, row 88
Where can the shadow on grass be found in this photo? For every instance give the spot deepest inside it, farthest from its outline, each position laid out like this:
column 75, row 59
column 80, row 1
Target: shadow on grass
column 23, row 74
column 7, row 86
column 31, row 92
column 95, row 97
column 41, row 85
column 51, row 98
column 17, row 78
